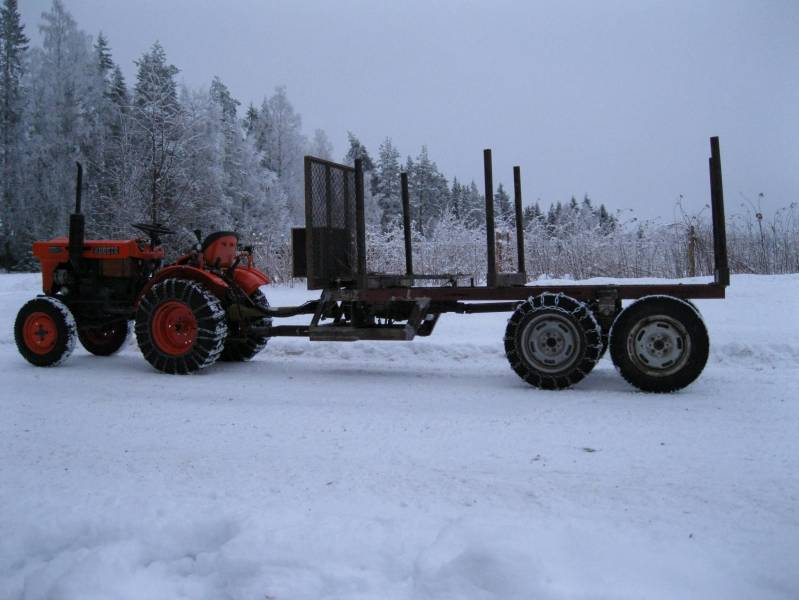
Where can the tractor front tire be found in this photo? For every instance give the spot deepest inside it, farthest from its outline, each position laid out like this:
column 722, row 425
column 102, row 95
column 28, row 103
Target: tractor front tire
column 45, row 331
column 246, row 347
column 659, row 344
column 180, row 326
column 552, row 341
column 104, row 340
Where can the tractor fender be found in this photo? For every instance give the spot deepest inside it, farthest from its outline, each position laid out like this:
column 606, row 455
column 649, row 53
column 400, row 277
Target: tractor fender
column 215, row 284
column 249, row 279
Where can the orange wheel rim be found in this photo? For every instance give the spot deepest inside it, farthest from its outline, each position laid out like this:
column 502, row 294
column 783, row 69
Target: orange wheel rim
column 174, row 328
column 40, row 333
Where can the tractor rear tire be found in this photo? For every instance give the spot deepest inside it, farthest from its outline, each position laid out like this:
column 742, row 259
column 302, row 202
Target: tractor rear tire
column 659, row 344
column 105, row 340
column 45, row 331
column 552, row 341
column 180, row 326
column 243, row 349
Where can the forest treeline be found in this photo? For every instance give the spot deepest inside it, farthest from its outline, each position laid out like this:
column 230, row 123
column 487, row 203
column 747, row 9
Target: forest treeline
column 158, row 151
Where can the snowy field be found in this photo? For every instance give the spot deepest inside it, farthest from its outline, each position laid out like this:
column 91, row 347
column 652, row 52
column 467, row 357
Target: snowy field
column 404, row 470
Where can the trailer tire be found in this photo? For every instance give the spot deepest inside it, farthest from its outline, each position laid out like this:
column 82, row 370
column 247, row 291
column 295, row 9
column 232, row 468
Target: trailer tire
column 105, row 340
column 44, row 331
column 659, row 344
column 180, row 326
column 238, row 350
column 552, row 341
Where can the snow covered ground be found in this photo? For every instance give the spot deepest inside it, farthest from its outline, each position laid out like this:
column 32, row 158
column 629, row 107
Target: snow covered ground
column 403, row 470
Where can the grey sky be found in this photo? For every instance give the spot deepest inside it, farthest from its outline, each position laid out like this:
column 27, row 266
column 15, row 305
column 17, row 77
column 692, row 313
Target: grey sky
column 616, row 99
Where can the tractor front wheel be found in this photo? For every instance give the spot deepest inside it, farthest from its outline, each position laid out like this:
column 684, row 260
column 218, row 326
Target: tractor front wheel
column 180, row 326
column 45, row 332
column 104, row 340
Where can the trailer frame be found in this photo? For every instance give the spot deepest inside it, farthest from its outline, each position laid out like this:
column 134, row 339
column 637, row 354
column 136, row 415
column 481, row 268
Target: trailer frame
column 367, row 306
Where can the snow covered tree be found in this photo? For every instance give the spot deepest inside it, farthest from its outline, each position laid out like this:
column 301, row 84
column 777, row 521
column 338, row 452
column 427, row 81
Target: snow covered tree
column 503, row 209
column 429, row 191
column 100, row 113
column 387, row 184
column 473, row 206
column 320, row 145
column 160, row 138
column 251, row 120
column 251, row 196
column 532, row 215
column 277, row 131
column 13, row 45
column 358, row 150
column 61, row 75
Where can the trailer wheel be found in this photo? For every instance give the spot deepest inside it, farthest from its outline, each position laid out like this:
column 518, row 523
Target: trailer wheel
column 45, row 332
column 180, row 326
column 105, row 340
column 552, row 341
column 243, row 349
column 659, row 344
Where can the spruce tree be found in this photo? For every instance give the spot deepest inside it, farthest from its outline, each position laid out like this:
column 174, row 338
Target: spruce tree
column 358, row 150
column 103, row 52
column 320, row 145
column 387, row 184
column 503, row 207
column 159, row 130
column 251, row 120
column 118, row 90
column 474, row 207
column 13, row 45
column 456, row 199
column 63, row 87
column 278, row 136
column 429, row 192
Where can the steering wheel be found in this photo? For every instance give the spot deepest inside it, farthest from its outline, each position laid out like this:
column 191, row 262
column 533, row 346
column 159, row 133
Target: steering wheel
column 154, row 231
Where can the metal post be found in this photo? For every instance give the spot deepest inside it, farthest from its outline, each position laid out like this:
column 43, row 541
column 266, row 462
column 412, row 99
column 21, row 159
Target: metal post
column 327, row 258
column 406, row 222
column 491, row 274
column 722, row 269
column 77, row 225
column 78, row 188
column 310, row 267
column 517, row 199
column 360, row 223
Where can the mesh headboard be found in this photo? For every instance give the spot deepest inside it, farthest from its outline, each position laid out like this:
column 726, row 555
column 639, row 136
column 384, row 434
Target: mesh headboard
column 330, row 224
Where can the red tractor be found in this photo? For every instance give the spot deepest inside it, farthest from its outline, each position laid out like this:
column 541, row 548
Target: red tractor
column 205, row 306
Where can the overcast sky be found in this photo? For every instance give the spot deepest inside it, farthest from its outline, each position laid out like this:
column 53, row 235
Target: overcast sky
column 613, row 99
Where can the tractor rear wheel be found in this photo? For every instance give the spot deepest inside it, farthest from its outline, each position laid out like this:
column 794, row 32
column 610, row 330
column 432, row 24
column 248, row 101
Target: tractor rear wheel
column 104, row 340
column 552, row 341
column 246, row 347
column 180, row 326
column 45, row 331
column 659, row 344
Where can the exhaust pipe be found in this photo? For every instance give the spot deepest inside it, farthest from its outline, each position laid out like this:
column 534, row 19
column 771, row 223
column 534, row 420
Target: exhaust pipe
column 77, row 225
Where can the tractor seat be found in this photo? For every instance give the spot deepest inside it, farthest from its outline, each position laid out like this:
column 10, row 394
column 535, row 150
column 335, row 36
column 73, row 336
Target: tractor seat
column 220, row 248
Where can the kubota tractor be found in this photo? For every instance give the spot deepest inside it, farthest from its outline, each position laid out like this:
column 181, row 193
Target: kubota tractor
column 205, row 306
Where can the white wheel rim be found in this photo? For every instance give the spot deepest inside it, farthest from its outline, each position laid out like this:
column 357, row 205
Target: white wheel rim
column 550, row 342
column 659, row 345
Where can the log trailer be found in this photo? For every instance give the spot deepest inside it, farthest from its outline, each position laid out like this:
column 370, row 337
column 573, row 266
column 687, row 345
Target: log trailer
column 209, row 304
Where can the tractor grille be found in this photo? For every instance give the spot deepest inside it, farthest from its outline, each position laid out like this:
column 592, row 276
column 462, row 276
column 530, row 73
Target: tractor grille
column 330, row 224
